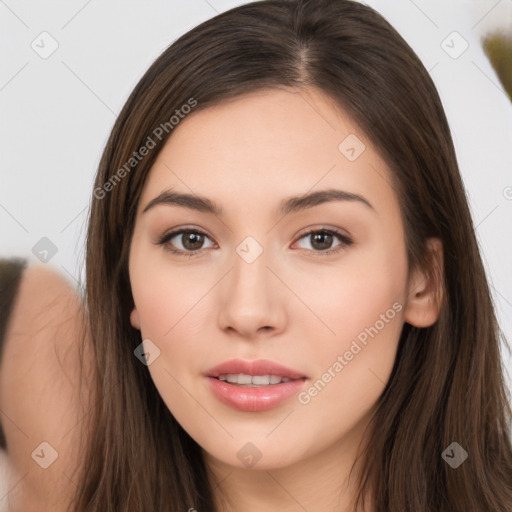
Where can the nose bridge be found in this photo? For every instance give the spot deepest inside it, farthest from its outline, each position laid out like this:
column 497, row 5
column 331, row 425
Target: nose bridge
column 250, row 294
column 250, row 275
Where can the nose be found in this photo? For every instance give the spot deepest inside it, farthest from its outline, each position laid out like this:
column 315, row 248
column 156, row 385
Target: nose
column 252, row 299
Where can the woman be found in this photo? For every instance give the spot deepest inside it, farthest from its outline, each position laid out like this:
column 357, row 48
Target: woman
column 323, row 338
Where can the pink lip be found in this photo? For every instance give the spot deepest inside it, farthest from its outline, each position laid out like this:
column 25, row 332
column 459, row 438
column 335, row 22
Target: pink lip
column 257, row 367
column 254, row 399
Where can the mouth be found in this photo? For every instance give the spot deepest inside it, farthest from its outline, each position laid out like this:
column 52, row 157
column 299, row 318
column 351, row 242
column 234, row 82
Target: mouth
column 260, row 372
column 254, row 386
column 253, row 381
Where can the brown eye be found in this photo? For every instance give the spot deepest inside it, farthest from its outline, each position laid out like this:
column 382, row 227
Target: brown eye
column 191, row 241
column 321, row 241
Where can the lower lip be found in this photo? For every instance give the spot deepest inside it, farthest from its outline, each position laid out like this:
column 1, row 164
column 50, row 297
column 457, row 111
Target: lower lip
column 254, row 399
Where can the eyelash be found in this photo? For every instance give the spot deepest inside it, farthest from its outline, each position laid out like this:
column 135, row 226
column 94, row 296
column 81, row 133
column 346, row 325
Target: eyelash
column 344, row 239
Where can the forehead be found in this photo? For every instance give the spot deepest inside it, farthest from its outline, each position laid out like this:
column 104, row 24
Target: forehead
column 266, row 145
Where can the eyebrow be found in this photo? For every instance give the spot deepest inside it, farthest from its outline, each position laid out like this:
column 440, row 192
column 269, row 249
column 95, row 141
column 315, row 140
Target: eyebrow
column 288, row 205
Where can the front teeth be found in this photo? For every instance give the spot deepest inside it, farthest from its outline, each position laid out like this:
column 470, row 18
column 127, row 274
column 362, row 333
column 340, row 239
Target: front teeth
column 252, row 381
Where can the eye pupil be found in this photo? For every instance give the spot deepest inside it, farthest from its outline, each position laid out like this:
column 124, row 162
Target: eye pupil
column 327, row 240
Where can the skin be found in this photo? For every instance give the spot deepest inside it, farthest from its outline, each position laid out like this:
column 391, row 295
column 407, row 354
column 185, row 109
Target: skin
column 40, row 397
column 293, row 304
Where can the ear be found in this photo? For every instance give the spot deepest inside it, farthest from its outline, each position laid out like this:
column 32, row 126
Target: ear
column 134, row 318
column 426, row 288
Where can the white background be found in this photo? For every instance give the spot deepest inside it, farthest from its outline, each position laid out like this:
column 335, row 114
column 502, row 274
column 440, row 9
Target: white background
column 56, row 113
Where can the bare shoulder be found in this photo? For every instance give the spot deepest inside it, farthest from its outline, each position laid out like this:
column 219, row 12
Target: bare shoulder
column 44, row 389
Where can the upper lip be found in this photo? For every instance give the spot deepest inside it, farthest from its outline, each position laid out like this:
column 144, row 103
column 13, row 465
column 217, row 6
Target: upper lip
column 254, row 367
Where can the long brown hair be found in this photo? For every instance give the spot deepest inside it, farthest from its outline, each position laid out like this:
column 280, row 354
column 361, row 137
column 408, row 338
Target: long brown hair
column 447, row 383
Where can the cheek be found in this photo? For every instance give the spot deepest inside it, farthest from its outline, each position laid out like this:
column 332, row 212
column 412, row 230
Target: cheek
column 362, row 304
column 165, row 295
column 352, row 297
column 167, row 302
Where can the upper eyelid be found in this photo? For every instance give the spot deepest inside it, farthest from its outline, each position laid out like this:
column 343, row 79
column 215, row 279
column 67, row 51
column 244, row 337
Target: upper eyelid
column 302, row 232
column 313, row 229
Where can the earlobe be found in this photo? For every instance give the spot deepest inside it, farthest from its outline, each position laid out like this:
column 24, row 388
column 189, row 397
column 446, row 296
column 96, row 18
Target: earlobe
column 425, row 290
column 134, row 318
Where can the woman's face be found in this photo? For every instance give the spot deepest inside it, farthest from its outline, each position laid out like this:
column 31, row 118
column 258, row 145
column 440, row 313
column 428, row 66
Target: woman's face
column 251, row 282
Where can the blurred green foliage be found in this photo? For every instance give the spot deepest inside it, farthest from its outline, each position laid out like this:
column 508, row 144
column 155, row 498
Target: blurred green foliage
column 498, row 48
